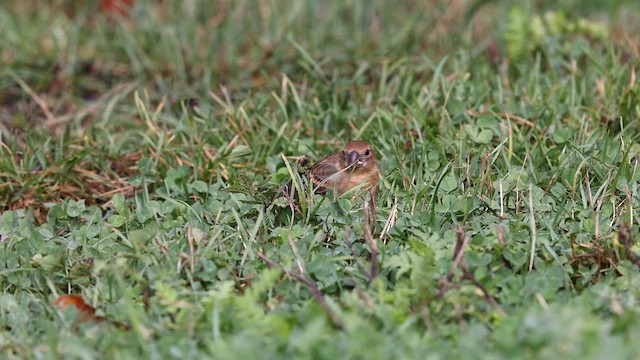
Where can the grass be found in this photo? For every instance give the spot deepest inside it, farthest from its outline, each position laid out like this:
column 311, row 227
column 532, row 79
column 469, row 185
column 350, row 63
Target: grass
column 143, row 162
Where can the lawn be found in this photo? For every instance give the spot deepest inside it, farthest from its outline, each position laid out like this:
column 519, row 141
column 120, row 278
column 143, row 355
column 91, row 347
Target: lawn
column 147, row 157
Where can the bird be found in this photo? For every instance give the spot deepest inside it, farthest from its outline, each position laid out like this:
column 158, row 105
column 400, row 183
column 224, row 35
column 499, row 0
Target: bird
column 355, row 167
column 345, row 172
column 353, row 170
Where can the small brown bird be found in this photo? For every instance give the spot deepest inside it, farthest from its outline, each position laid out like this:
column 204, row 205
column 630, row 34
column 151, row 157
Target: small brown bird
column 355, row 166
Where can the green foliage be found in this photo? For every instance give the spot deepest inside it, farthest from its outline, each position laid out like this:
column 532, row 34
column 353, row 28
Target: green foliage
column 526, row 33
column 155, row 186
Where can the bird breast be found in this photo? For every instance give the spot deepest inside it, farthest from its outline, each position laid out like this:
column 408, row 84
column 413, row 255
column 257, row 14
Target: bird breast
column 366, row 179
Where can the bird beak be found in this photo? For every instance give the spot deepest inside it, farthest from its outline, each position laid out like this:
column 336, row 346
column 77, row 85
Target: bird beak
column 353, row 157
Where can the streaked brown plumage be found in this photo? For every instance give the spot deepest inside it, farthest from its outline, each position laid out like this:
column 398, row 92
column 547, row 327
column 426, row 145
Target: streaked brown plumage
column 351, row 171
column 355, row 166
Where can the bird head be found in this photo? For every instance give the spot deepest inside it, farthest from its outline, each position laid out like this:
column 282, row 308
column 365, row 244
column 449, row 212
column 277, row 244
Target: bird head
column 358, row 154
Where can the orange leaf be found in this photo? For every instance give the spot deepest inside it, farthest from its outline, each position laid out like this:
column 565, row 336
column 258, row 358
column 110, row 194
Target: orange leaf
column 116, row 6
column 85, row 311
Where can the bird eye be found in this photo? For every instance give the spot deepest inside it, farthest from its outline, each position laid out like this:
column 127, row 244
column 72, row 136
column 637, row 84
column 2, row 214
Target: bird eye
column 367, row 153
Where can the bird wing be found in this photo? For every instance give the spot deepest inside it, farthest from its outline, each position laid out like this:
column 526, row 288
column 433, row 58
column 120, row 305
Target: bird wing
column 325, row 172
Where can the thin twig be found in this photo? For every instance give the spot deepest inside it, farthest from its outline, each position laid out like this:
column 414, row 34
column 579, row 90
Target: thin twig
column 501, row 201
column 626, row 238
column 426, row 318
column 289, row 194
column 462, row 242
column 366, row 299
column 490, row 299
column 532, row 222
column 500, row 231
column 192, row 259
column 374, row 212
column 373, row 244
column 461, row 245
column 313, row 288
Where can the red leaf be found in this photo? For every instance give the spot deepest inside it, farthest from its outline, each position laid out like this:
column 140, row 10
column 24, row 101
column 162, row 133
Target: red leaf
column 116, row 6
column 85, row 311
